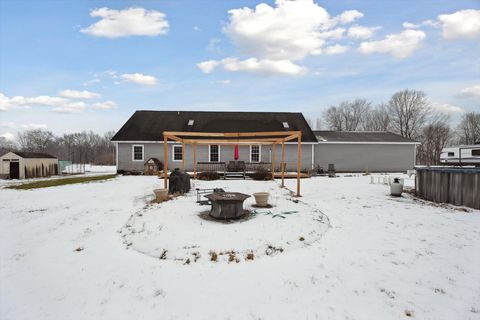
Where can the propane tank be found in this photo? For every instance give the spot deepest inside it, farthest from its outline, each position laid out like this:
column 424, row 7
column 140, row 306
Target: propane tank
column 396, row 188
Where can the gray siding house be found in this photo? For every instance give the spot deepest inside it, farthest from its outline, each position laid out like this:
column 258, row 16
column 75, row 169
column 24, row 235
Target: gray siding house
column 360, row 151
column 141, row 138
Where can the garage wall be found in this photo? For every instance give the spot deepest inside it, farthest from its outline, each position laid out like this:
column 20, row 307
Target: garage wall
column 362, row 157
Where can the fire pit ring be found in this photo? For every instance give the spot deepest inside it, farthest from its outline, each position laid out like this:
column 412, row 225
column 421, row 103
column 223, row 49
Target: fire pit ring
column 227, row 205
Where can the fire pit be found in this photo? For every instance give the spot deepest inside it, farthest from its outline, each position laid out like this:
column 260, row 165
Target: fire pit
column 227, row 205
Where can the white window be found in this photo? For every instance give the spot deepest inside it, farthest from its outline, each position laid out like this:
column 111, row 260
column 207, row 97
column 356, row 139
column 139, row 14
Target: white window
column 137, row 152
column 285, row 125
column 214, row 153
column 255, row 153
column 177, row 153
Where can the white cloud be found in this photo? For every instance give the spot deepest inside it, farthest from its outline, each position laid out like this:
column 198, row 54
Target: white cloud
column 399, row 45
column 227, row 81
column 196, row 28
column 273, row 38
column 127, row 22
column 139, row 78
column 461, row 24
column 72, row 107
column 290, row 30
column 254, row 65
column 105, row 105
column 349, row 16
column 361, row 32
column 470, row 92
column 208, row 66
column 336, row 49
column 7, row 103
column 8, row 136
column 76, row 94
column 409, row 25
column 446, row 108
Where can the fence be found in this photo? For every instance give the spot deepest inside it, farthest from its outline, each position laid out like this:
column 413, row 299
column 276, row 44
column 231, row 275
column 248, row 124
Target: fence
column 458, row 186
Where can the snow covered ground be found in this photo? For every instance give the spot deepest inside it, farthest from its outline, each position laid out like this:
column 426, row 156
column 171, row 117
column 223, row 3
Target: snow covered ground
column 92, row 251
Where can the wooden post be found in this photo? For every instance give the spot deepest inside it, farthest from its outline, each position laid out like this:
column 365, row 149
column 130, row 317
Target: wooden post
column 194, row 161
column 283, row 164
column 183, row 156
column 165, row 161
column 273, row 161
column 299, row 159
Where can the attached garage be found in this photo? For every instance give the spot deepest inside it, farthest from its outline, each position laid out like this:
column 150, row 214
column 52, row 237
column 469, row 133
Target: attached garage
column 26, row 165
column 358, row 151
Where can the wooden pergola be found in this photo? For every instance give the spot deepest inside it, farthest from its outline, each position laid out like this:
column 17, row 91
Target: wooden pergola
column 233, row 138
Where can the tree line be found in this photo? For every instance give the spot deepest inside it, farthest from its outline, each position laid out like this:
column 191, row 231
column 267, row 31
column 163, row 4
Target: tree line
column 80, row 147
column 408, row 113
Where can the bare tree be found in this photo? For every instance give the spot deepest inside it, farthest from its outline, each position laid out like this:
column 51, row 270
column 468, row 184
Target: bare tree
column 468, row 130
column 334, row 119
column 348, row 116
column 377, row 119
column 408, row 110
column 79, row 147
column 36, row 140
column 434, row 137
column 6, row 145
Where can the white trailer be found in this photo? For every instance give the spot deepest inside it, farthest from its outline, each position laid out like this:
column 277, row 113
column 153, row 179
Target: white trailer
column 466, row 155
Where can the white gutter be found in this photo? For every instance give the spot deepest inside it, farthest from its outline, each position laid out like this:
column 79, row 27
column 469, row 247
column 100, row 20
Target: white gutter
column 365, row 142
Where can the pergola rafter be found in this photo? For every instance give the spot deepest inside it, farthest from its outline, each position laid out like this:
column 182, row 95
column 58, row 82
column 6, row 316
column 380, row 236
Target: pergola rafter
column 232, row 138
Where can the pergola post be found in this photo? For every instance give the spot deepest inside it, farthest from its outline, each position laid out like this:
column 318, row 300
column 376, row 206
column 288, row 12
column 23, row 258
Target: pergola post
column 299, row 160
column 283, row 163
column 165, row 161
column 194, row 161
column 183, row 156
column 273, row 161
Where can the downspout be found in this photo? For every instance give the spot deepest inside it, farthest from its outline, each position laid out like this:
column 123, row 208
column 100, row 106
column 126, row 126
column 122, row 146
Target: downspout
column 313, row 156
column 116, row 155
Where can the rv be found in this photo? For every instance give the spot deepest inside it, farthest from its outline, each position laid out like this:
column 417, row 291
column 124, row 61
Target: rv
column 461, row 155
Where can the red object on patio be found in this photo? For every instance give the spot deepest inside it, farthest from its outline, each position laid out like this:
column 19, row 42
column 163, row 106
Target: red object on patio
column 235, row 153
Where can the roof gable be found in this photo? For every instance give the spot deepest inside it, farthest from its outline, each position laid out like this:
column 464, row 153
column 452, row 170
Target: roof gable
column 149, row 125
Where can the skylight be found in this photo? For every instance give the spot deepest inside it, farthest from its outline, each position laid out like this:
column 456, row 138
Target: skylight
column 285, row 125
column 190, row 122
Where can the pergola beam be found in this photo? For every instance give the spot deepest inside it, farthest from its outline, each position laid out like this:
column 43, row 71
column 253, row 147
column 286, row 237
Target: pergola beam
column 230, row 134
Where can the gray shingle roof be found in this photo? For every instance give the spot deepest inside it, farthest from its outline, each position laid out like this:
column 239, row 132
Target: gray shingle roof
column 34, row 155
column 360, row 136
column 149, row 125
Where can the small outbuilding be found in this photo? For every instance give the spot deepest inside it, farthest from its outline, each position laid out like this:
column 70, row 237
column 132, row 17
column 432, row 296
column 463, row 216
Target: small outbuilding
column 25, row 165
column 152, row 166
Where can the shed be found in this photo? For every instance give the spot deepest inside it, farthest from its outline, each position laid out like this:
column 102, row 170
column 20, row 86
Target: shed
column 153, row 166
column 25, row 165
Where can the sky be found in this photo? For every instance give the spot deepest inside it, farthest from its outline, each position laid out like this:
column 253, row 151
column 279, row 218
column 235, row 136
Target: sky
column 70, row 66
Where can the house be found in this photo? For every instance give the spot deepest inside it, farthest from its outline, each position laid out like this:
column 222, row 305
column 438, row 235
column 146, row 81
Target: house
column 141, row 138
column 25, row 165
column 362, row 151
